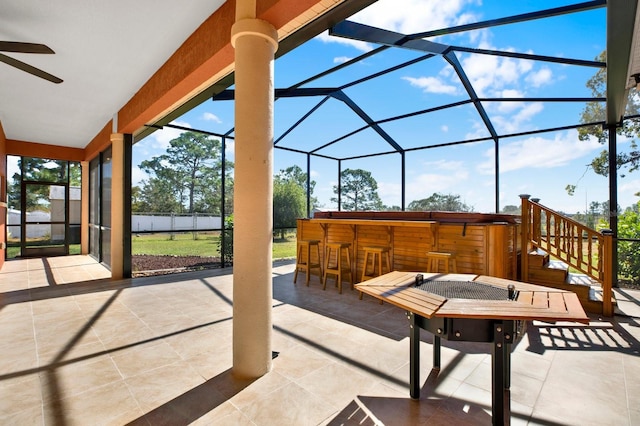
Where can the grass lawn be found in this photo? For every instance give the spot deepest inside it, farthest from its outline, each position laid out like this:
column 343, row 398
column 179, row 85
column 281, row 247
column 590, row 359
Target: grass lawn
column 183, row 244
column 13, row 247
column 204, row 244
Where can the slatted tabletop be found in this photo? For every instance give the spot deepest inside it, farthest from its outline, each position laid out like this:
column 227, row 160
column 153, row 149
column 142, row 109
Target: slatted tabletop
column 533, row 302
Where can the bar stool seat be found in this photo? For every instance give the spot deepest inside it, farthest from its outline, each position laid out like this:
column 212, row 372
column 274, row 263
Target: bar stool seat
column 336, row 269
column 435, row 257
column 376, row 254
column 304, row 260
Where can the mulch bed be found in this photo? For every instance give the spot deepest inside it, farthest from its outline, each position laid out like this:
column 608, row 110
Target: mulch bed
column 148, row 265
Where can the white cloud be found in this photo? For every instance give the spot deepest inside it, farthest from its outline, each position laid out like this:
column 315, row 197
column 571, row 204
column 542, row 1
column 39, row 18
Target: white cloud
column 444, row 176
column 431, row 85
column 12, row 166
column 630, row 187
column 209, row 116
column 359, row 45
column 407, row 17
column 477, row 130
column 341, row 59
column 444, row 128
column 490, row 75
column 137, row 176
column 414, row 16
column 539, row 152
column 540, row 77
column 508, row 107
column 230, row 148
column 515, row 122
column 528, row 111
column 167, row 134
column 390, row 193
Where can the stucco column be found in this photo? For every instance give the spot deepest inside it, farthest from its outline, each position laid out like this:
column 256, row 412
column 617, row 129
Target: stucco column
column 117, row 203
column 84, row 209
column 255, row 43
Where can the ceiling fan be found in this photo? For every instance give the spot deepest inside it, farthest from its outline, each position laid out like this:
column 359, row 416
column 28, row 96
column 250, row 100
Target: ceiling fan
column 19, row 47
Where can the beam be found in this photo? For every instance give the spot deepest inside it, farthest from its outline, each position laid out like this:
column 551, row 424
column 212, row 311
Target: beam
column 621, row 16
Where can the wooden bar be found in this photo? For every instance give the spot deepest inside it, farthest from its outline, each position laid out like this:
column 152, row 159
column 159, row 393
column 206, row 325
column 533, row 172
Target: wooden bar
column 483, row 244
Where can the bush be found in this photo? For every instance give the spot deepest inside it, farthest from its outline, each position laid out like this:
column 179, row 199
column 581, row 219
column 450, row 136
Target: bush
column 629, row 251
column 225, row 243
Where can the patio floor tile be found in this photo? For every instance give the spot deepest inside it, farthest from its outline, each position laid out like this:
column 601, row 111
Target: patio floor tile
column 158, row 350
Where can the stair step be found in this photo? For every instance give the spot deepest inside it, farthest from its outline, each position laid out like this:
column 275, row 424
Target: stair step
column 588, row 291
column 558, row 277
column 580, row 279
column 557, row 264
column 593, row 303
column 595, row 294
column 552, row 272
column 538, row 258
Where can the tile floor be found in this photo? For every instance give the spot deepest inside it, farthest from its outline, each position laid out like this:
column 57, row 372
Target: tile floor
column 79, row 349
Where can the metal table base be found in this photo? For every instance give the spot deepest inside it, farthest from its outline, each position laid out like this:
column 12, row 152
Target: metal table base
column 501, row 333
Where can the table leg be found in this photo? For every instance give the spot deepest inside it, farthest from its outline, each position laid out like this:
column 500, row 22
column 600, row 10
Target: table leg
column 500, row 376
column 436, row 352
column 414, row 357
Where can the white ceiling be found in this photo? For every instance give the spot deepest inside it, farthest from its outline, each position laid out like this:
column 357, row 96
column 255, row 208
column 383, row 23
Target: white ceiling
column 105, row 50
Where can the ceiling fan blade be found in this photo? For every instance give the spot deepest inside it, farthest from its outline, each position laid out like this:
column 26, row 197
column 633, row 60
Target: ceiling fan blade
column 30, row 69
column 20, row 47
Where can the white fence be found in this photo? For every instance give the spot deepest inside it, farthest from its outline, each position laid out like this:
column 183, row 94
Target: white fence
column 34, row 230
column 139, row 223
column 174, row 223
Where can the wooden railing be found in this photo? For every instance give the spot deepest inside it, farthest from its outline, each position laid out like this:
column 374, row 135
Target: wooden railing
column 579, row 246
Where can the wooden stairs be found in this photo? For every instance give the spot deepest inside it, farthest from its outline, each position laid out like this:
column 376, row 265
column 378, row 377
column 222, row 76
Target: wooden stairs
column 554, row 273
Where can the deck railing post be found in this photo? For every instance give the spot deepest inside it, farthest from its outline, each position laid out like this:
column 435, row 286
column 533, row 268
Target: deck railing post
column 608, row 279
column 524, row 235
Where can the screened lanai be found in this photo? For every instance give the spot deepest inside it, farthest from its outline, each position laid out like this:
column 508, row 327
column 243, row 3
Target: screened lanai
column 451, row 109
column 409, row 104
column 248, row 315
column 370, row 111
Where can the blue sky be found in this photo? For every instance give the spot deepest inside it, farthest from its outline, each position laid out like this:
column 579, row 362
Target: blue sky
column 541, row 165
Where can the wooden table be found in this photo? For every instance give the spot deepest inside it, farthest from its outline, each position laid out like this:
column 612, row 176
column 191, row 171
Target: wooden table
column 499, row 322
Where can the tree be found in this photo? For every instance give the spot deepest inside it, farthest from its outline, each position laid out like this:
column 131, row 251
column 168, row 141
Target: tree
column 296, row 175
column 136, row 194
column 628, row 251
column 158, row 196
column 186, row 178
column 290, row 197
column 359, row 191
column 595, row 112
column 440, row 202
column 511, row 209
column 41, row 170
column 289, row 204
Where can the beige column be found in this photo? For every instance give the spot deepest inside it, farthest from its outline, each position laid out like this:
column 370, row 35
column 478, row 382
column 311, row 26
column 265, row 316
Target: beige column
column 84, row 215
column 255, row 43
column 117, row 202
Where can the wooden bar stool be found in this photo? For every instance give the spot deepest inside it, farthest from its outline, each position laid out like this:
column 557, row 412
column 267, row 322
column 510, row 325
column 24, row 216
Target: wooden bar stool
column 337, row 270
column 303, row 260
column 376, row 259
column 435, row 257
